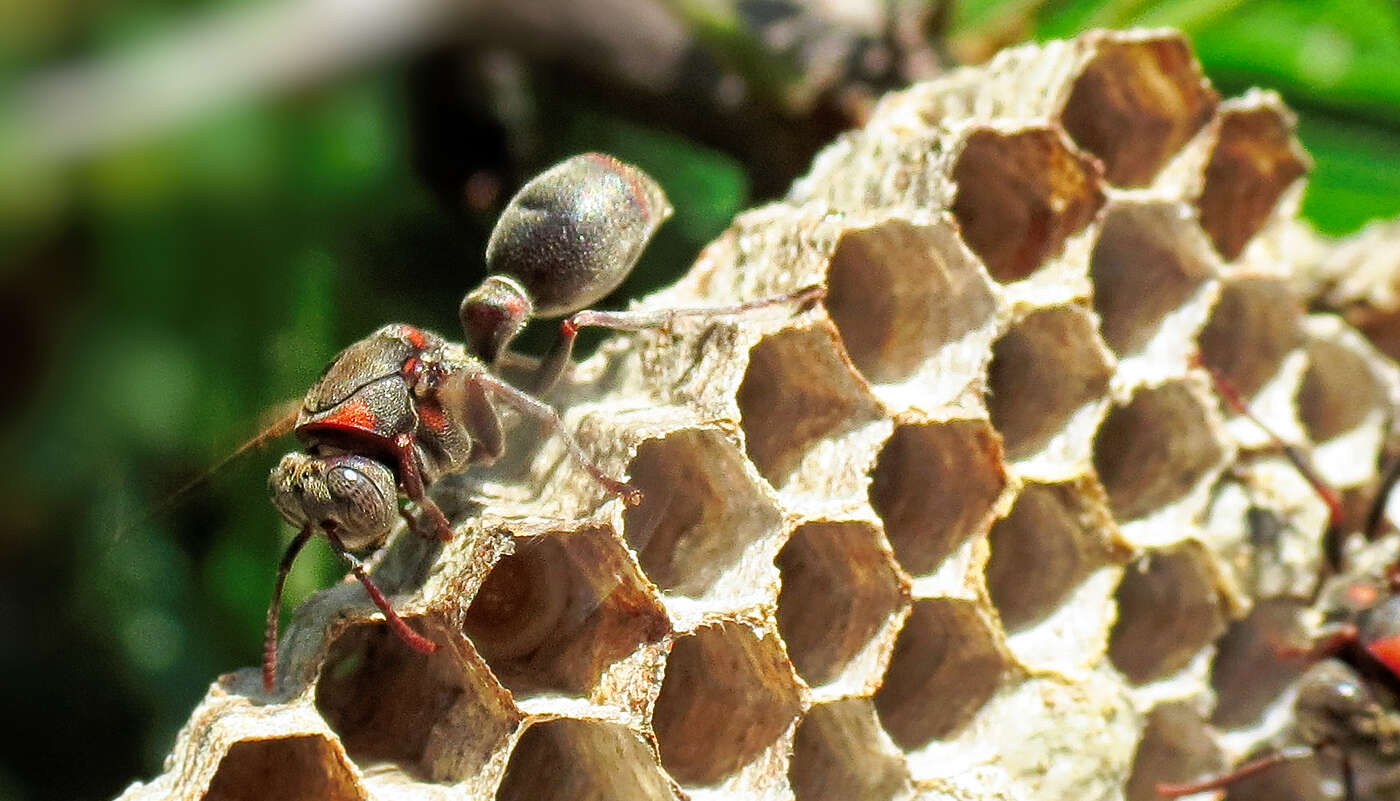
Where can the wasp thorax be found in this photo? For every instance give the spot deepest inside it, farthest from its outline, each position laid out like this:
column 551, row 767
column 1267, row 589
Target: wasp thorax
column 353, row 495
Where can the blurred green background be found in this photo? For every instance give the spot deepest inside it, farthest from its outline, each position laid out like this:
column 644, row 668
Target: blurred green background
column 159, row 292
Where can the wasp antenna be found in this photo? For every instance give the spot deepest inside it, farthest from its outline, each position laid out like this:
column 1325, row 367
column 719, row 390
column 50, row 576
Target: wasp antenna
column 283, row 420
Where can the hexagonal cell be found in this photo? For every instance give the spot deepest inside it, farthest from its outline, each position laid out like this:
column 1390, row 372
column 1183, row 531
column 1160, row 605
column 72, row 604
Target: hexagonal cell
column 1143, row 268
column 1255, row 159
column 1135, row 105
column 1054, row 537
column 1020, row 196
column 374, row 692
column 946, row 665
column 554, row 615
column 934, row 485
column 582, row 760
column 1249, row 672
column 727, row 696
column 837, row 755
column 797, row 390
column 700, row 509
column 1176, row 746
column 1154, row 449
column 305, row 768
column 1044, row 370
column 1253, row 325
column 1338, row 391
column 839, row 587
column 898, row 292
column 1168, row 609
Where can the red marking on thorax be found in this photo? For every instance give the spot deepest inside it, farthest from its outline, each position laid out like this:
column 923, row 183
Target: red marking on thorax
column 354, row 413
column 415, row 337
column 1387, row 651
column 431, row 416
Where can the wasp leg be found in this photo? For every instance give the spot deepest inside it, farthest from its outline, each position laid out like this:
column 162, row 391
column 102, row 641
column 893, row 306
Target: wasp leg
column 560, row 356
column 528, row 404
column 412, row 638
column 413, row 485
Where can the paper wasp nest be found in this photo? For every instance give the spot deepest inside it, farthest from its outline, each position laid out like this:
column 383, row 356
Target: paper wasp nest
column 975, row 527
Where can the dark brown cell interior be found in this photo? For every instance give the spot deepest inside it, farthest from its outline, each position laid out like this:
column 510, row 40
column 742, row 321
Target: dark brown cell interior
column 1176, row 746
column 1252, row 327
column 1337, row 392
column 1136, row 104
column 1168, row 610
column 1020, row 196
column 897, row 292
column 838, row 589
column 796, row 391
column 305, row 768
column 1254, row 160
column 726, row 697
column 1142, row 271
column 1296, row 780
column 554, row 615
column 579, row 760
column 1041, row 551
column 438, row 716
column 1249, row 672
column 836, row 756
column 699, row 510
column 934, row 486
column 1153, row 450
column 1043, row 370
column 945, row 666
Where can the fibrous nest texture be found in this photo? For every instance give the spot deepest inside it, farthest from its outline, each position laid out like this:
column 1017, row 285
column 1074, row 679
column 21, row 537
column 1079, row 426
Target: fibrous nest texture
column 975, row 526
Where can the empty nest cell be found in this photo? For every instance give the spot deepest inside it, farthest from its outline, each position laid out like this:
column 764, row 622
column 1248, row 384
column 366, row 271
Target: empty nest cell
column 946, row 665
column 1153, row 450
column 1136, row 104
column 1054, row 537
column 554, row 615
column 1252, row 327
column 838, row 755
column 934, row 485
column 1143, row 268
column 1337, row 392
column 1020, row 196
column 1043, row 370
column 726, row 697
column 1176, row 746
column 839, row 588
column 796, row 391
column 438, row 716
column 1169, row 608
column 897, row 292
column 1254, row 160
column 304, row 768
column 582, row 760
column 1251, row 669
column 700, row 509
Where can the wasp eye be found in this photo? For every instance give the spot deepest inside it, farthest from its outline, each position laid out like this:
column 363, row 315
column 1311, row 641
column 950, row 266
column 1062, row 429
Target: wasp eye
column 362, row 500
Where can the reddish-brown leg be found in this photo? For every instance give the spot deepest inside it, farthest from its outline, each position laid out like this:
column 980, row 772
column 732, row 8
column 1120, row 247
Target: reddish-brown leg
column 410, row 637
column 412, row 482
